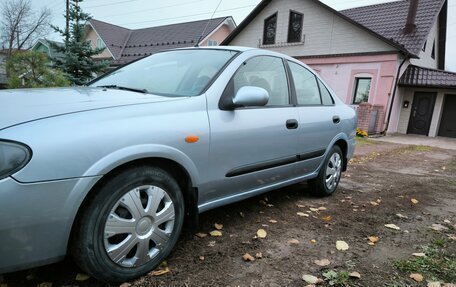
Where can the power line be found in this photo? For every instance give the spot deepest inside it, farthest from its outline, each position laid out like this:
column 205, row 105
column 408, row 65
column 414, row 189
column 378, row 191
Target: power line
column 110, row 4
column 186, row 16
column 153, row 9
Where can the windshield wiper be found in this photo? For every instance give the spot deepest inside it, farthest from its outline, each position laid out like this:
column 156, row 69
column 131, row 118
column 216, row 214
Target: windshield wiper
column 144, row 91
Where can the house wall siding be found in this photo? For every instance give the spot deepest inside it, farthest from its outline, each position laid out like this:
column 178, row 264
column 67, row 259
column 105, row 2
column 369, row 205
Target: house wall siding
column 92, row 36
column 323, row 32
column 218, row 35
column 425, row 59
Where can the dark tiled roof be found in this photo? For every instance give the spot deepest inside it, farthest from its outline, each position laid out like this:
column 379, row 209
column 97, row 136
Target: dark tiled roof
column 129, row 45
column 416, row 76
column 388, row 20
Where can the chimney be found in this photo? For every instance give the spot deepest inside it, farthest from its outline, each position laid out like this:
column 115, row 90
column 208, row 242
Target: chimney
column 410, row 25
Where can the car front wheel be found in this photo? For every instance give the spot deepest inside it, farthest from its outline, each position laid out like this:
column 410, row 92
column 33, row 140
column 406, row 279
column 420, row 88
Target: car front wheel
column 130, row 225
column 329, row 176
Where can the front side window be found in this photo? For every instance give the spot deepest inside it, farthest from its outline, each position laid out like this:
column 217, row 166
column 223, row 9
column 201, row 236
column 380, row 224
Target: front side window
column 180, row 73
column 270, row 27
column 362, row 89
column 305, row 82
column 267, row 73
column 295, row 27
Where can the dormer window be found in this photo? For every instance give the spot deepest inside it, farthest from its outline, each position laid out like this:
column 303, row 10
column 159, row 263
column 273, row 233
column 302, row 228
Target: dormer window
column 295, row 27
column 270, row 28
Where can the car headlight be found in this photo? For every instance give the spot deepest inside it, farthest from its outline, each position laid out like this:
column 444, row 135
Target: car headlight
column 13, row 157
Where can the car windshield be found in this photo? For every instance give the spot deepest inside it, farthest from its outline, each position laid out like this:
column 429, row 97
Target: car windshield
column 179, row 73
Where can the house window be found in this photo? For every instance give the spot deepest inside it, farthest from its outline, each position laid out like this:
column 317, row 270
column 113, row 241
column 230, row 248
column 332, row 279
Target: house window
column 424, row 46
column 362, row 88
column 269, row 33
column 100, row 43
column 212, row 43
column 295, row 27
column 433, row 50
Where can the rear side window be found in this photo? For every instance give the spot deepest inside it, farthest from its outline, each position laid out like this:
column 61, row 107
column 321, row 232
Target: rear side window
column 265, row 72
column 307, row 91
column 325, row 95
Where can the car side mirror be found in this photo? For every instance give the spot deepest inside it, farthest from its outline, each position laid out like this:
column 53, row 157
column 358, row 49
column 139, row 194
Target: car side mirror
column 248, row 96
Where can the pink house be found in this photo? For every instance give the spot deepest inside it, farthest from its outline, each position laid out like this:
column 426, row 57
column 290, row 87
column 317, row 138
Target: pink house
column 386, row 60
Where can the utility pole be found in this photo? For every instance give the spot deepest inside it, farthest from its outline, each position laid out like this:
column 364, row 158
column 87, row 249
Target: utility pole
column 67, row 29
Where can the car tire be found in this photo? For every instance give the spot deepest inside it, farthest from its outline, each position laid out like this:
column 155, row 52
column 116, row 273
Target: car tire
column 130, row 225
column 329, row 175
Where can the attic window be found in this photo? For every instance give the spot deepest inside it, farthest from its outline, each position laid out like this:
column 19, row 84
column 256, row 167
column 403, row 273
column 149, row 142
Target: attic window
column 433, row 50
column 424, row 46
column 270, row 27
column 295, row 27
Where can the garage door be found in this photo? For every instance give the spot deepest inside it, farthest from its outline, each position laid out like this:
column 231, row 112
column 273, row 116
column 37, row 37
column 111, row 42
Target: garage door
column 448, row 121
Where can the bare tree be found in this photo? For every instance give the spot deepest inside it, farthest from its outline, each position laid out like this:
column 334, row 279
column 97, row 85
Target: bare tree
column 20, row 25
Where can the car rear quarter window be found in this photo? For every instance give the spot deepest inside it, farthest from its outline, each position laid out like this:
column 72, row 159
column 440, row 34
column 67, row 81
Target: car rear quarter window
column 325, row 94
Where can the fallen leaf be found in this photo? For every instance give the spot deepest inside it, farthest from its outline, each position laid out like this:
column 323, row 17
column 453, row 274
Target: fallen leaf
column 160, row 272
column 44, row 284
column 322, row 262
column 201, row 235
column 259, row 255
column 293, row 241
column 218, row 226
column 215, row 233
column 272, row 221
column 125, row 284
column 355, row 275
column 322, row 208
column 341, row 245
column 417, row 277
column 302, row 214
column 313, row 209
column 211, row 244
column 300, row 205
column 82, row 277
column 451, row 236
column 379, row 200
column 327, row 218
column 447, row 221
column 449, row 285
column 261, row 233
column 270, row 205
column 393, row 226
column 248, row 257
column 241, row 214
column 373, row 203
column 371, row 243
column 438, row 227
column 313, row 241
column 434, row 284
column 202, row 258
column 414, row 201
column 401, row 216
column 373, row 239
column 419, row 254
column 310, row 279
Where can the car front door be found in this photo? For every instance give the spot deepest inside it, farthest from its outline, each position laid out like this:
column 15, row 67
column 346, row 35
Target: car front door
column 318, row 120
column 253, row 147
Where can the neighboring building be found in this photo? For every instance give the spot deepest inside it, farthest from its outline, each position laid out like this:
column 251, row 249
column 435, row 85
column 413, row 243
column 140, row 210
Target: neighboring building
column 44, row 45
column 387, row 60
column 125, row 45
column 3, row 79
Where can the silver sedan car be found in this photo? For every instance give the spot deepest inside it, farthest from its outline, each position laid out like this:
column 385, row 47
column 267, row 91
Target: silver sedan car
column 108, row 172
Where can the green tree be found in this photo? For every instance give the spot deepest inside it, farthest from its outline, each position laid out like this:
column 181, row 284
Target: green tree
column 77, row 63
column 31, row 69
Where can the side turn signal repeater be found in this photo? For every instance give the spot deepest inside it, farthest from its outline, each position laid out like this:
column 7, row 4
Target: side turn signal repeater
column 192, row 139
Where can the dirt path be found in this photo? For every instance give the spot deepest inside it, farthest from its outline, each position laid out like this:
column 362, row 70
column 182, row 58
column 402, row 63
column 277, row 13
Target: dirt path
column 382, row 180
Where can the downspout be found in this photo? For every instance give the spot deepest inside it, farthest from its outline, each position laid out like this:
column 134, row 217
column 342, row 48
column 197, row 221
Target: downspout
column 394, row 94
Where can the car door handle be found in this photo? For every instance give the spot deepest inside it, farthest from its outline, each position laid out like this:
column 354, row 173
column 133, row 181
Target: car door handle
column 336, row 119
column 292, row 124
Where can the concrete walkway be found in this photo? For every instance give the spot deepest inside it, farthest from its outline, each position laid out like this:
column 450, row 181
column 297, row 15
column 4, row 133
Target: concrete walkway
column 440, row 142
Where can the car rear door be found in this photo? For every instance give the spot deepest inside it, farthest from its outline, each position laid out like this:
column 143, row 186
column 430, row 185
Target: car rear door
column 253, row 147
column 319, row 122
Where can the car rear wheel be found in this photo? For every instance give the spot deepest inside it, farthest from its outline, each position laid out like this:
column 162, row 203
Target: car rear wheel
column 329, row 176
column 130, row 226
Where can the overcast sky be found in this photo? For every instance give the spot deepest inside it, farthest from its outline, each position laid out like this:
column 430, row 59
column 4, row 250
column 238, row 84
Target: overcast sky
column 147, row 13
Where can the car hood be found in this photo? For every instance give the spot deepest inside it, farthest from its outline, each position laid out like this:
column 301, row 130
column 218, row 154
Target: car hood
column 25, row 105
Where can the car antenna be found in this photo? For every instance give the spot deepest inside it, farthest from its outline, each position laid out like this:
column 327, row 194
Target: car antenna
column 207, row 24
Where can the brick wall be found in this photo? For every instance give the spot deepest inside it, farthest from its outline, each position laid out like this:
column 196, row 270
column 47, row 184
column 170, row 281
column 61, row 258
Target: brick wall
column 366, row 111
